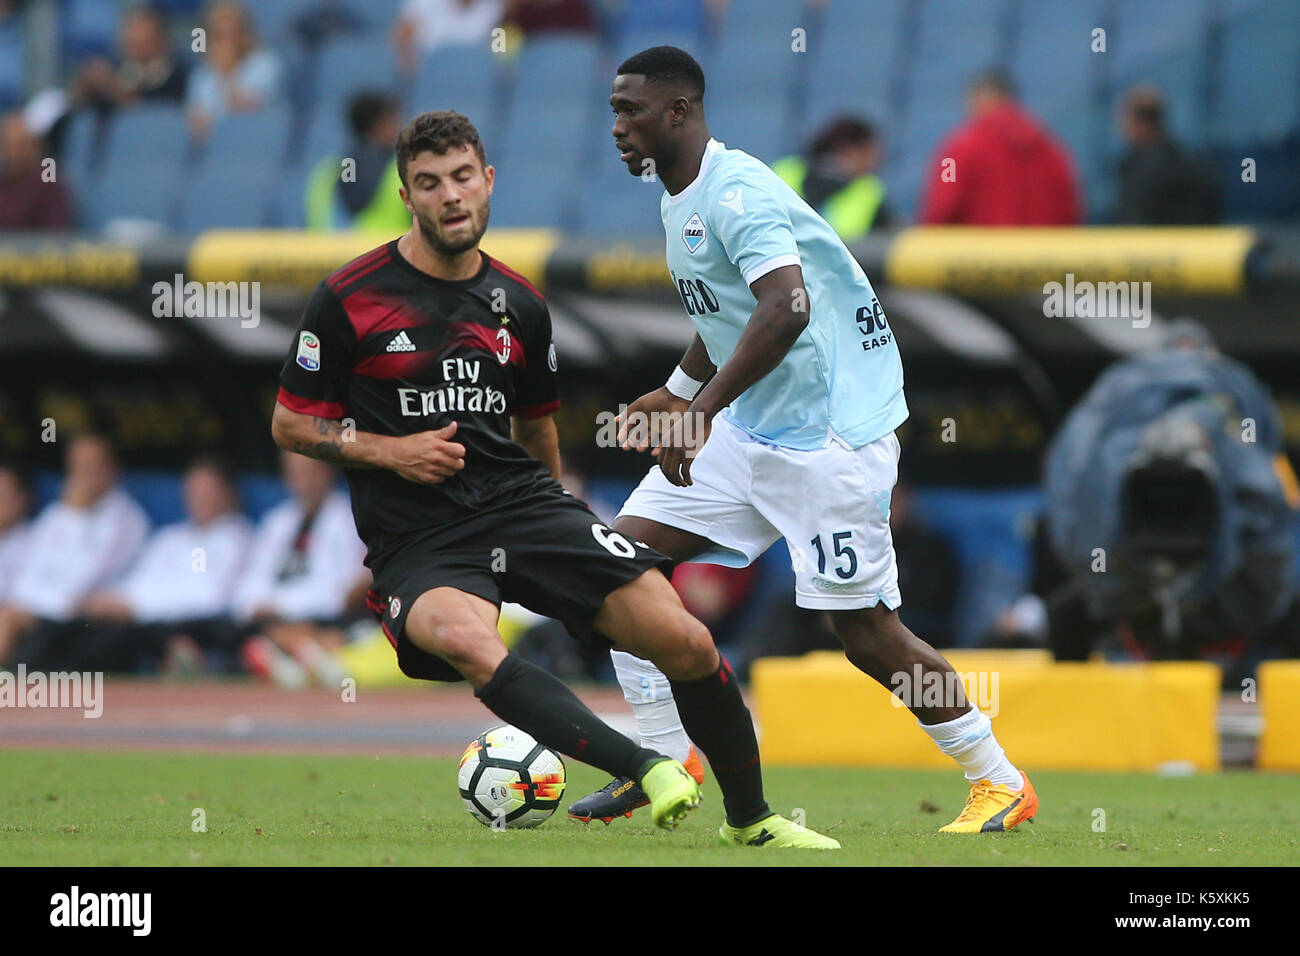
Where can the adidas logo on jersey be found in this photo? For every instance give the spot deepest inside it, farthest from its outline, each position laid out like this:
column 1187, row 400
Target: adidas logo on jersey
column 401, row 343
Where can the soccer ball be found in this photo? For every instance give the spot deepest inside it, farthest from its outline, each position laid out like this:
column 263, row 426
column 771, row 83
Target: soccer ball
column 508, row 780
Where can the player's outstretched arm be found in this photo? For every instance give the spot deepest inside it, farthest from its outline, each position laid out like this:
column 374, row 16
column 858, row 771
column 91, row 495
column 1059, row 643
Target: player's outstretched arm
column 426, row 457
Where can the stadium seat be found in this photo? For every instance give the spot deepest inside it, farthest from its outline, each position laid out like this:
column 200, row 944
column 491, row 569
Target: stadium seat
column 467, row 79
column 1165, row 42
column 89, row 27
column 750, row 83
column 1258, row 94
column 83, row 147
column 613, row 203
column 326, row 133
column 842, row 78
column 349, row 64
column 13, row 63
column 645, row 18
column 231, row 185
column 145, row 152
column 274, row 18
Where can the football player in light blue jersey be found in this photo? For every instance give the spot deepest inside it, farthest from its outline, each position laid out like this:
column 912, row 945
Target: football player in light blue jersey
column 790, row 394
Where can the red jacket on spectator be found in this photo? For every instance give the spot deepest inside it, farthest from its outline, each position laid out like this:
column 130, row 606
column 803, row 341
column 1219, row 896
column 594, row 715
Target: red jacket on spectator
column 1007, row 171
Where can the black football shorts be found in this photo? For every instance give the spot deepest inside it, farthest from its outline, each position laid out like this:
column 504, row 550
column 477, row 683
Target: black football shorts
column 546, row 551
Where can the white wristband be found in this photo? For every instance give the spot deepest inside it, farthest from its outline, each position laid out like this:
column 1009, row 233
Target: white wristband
column 682, row 385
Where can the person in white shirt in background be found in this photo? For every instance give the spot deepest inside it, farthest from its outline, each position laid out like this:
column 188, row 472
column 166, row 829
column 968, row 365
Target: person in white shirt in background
column 15, row 523
column 181, row 587
column 425, row 25
column 305, row 575
column 84, row 541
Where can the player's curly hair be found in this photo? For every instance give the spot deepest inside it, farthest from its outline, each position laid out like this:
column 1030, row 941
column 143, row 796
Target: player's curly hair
column 436, row 131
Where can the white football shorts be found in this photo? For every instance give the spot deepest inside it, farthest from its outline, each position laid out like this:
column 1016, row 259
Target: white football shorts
column 831, row 505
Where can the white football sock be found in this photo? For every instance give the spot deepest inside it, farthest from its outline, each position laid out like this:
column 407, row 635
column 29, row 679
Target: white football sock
column 969, row 740
column 651, row 697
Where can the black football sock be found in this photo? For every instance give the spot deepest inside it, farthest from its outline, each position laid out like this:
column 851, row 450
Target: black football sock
column 717, row 721
column 537, row 703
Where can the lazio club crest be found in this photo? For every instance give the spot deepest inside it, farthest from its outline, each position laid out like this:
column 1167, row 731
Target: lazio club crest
column 693, row 232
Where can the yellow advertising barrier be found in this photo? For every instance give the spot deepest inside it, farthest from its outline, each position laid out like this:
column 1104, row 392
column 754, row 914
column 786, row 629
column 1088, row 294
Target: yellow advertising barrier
column 820, row 710
column 1279, row 702
column 988, row 261
column 302, row 259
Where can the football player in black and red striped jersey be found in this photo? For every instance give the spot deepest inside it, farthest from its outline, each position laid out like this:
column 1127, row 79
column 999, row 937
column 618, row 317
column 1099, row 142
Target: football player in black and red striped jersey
column 426, row 369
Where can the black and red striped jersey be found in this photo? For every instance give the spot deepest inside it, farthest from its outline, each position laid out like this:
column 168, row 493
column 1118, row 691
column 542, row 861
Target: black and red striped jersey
column 393, row 350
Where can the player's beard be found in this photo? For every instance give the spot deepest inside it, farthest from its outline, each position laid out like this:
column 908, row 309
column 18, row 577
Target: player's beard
column 447, row 249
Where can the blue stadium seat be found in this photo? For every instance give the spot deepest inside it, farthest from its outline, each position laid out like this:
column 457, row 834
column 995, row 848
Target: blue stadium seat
column 13, row 62
column 1258, row 96
column 467, row 79
column 853, row 64
column 750, row 83
column 1165, row 42
column 231, row 194
column 380, row 15
column 145, row 153
column 327, row 133
column 89, row 27
column 539, row 193
column 236, row 135
column 231, row 186
column 82, row 147
column 349, row 64
column 612, row 203
column 643, row 18
column 956, row 40
column 274, row 18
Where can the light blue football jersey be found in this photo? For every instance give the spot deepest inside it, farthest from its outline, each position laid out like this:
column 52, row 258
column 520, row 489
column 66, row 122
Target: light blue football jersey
column 738, row 221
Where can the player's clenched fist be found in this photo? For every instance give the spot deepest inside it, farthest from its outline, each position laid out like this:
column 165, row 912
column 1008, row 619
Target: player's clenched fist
column 428, row 457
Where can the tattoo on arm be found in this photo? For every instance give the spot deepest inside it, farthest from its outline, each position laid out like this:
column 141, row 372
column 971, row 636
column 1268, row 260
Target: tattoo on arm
column 328, row 448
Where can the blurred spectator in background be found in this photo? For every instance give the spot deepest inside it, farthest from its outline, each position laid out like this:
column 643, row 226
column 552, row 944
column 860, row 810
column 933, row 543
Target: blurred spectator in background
column 236, row 74
column 425, row 25
column 1159, row 183
column 187, row 570
column 15, row 523
column 837, row 177
column 84, row 541
column 29, row 198
column 1002, row 168
column 367, row 198
column 533, row 17
column 147, row 69
column 178, row 589
column 928, row 572
column 304, row 576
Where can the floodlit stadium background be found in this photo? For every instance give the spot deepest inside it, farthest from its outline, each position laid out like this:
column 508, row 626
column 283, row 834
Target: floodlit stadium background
column 82, row 340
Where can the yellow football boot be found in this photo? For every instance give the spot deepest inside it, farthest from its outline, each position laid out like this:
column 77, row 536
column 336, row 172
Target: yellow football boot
column 994, row 807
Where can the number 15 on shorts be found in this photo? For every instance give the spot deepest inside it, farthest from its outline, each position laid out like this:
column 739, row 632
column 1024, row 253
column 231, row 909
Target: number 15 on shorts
column 841, row 550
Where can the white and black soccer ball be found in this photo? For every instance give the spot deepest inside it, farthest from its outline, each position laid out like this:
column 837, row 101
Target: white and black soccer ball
column 508, row 779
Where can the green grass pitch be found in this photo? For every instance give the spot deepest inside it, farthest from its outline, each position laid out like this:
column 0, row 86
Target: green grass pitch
column 78, row 808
